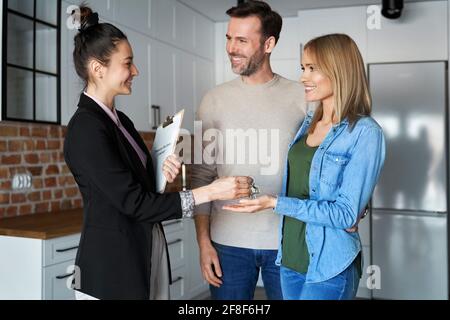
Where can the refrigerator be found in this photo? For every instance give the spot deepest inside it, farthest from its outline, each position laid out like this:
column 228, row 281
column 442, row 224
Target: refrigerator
column 409, row 237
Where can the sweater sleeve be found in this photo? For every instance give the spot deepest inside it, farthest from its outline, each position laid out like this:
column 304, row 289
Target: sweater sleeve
column 204, row 171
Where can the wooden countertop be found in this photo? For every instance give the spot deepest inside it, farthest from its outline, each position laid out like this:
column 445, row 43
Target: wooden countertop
column 43, row 225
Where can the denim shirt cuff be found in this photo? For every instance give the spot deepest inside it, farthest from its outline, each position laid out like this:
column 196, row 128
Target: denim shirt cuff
column 282, row 207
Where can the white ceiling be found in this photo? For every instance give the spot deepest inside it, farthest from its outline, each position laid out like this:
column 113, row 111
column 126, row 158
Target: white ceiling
column 215, row 9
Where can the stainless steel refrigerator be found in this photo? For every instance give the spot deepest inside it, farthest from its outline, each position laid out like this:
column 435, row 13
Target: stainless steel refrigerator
column 409, row 239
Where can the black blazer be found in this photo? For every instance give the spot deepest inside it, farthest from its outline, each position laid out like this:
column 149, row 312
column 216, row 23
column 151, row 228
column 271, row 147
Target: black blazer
column 120, row 204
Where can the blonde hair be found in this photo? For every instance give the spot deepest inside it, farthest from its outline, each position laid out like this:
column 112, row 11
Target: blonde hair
column 337, row 57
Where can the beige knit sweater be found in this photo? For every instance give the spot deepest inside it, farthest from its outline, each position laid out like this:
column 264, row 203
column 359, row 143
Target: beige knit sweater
column 247, row 129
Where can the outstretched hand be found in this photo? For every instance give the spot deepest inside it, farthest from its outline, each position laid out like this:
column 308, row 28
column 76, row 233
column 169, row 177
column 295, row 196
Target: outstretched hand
column 254, row 205
column 266, row 202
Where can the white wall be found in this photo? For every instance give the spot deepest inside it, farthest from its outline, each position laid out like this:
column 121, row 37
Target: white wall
column 420, row 34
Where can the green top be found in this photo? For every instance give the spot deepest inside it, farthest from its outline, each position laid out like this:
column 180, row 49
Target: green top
column 295, row 253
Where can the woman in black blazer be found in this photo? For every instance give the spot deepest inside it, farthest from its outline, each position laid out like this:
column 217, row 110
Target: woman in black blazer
column 114, row 171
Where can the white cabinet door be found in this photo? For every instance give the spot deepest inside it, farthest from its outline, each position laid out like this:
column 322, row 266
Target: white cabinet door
column 419, row 34
column 178, row 286
column 137, row 105
column 196, row 285
column 184, row 29
column 163, row 60
column 105, row 8
column 348, row 20
column 163, row 20
column 71, row 84
column 135, row 14
column 185, row 90
column 204, row 37
column 57, row 280
column 204, row 79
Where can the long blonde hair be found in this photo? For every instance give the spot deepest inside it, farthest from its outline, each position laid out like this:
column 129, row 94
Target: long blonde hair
column 337, row 57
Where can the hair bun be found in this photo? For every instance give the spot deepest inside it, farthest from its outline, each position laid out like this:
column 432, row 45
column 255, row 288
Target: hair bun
column 89, row 21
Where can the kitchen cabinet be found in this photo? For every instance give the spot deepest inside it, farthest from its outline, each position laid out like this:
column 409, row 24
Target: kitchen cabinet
column 163, row 20
column 35, row 269
column 187, row 280
column 105, row 8
column 135, row 14
column 163, row 90
column 204, row 37
column 185, row 87
column 204, row 79
column 37, row 256
column 137, row 106
column 185, row 22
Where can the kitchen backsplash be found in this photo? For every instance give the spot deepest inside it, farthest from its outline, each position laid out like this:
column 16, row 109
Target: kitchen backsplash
column 37, row 149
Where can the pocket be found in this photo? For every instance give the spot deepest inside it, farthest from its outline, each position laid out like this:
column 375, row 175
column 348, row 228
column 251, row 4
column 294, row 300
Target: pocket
column 333, row 168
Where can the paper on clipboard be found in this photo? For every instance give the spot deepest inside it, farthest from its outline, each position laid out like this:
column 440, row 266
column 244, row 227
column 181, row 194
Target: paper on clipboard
column 164, row 145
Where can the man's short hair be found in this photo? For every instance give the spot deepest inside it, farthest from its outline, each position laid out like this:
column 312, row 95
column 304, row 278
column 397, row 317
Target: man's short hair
column 271, row 21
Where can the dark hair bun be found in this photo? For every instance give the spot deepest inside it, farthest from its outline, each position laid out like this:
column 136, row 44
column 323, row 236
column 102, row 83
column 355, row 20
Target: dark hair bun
column 88, row 18
column 93, row 41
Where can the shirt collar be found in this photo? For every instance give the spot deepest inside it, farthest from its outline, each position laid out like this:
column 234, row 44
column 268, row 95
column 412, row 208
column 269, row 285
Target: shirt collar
column 310, row 115
column 111, row 113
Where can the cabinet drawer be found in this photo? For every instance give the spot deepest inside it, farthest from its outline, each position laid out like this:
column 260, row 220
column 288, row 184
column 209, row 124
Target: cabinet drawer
column 175, row 244
column 173, row 226
column 57, row 280
column 60, row 249
column 178, row 286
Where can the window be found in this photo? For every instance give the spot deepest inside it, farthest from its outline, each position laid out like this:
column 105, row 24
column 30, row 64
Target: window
column 31, row 68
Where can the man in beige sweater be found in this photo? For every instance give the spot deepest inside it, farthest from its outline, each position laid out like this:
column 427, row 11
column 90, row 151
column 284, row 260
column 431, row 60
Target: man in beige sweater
column 247, row 125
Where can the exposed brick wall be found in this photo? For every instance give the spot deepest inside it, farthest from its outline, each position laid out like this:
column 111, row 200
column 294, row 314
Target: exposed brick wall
column 37, row 149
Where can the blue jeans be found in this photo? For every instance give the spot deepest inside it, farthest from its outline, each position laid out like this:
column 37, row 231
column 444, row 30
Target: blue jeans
column 342, row 287
column 240, row 272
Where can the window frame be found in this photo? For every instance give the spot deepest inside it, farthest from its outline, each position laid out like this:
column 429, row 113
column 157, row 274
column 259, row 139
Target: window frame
column 34, row 70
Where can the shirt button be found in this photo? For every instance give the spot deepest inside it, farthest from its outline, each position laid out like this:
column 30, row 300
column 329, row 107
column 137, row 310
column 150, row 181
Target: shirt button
column 313, row 190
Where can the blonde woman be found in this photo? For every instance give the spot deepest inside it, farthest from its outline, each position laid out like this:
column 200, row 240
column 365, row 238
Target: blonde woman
column 332, row 168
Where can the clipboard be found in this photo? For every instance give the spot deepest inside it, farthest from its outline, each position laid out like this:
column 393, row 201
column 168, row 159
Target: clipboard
column 166, row 139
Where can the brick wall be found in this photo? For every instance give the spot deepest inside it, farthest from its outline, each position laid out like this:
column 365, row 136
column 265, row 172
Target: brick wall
column 38, row 149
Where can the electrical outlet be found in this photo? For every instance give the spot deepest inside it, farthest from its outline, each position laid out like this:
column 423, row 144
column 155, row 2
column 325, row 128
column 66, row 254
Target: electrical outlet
column 21, row 181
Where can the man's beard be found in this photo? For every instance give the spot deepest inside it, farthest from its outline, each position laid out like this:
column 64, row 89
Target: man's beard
column 253, row 65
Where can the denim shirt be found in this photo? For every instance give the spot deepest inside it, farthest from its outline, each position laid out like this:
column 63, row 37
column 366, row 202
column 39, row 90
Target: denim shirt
column 343, row 175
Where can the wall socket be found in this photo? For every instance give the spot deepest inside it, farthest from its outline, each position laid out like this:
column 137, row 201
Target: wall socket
column 21, row 181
